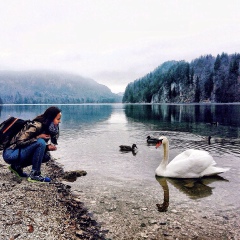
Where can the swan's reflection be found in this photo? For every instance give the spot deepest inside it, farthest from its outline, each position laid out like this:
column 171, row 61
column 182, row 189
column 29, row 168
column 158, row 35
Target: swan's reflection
column 164, row 206
column 194, row 188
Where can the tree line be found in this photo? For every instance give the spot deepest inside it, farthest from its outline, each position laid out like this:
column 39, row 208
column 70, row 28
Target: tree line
column 43, row 87
column 205, row 79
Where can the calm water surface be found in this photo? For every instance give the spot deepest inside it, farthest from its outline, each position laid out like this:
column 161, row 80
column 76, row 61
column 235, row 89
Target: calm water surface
column 90, row 139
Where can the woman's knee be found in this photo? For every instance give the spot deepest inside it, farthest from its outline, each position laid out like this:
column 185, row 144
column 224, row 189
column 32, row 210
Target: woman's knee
column 10, row 155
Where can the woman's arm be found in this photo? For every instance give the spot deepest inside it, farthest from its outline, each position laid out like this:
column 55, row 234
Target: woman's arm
column 44, row 136
column 27, row 135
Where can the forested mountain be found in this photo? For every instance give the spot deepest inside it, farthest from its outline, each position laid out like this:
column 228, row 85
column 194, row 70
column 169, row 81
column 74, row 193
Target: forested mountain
column 205, row 79
column 34, row 87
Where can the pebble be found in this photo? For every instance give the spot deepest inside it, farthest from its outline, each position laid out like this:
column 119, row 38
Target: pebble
column 163, row 223
column 153, row 222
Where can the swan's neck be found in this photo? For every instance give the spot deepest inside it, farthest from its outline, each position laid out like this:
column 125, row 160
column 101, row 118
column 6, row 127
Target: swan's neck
column 164, row 162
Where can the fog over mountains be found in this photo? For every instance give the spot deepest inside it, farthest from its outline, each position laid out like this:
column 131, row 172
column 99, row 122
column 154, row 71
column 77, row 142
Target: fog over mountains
column 204, row 79
column 36, row 87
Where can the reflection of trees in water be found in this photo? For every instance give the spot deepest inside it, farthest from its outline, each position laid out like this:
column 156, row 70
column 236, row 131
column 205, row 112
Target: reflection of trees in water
column 190, row 118
column 77, row 114
column 186, row 113
column 71, row 114
column 22, row 111
column 194, row 188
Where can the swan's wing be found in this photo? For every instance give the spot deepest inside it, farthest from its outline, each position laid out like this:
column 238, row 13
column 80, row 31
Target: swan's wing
column 190, row 163
column 197, row 155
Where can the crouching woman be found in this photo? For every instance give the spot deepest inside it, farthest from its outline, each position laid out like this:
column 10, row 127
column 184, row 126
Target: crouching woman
column 30, row 146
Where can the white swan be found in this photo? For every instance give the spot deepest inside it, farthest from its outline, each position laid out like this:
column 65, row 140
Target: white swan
column 188, row 164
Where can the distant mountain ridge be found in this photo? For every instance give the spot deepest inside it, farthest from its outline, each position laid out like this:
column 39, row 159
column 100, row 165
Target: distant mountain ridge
column 205, row 79
column 35, row 87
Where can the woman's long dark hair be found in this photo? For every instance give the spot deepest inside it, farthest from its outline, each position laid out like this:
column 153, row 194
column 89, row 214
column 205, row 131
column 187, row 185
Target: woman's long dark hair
column 48, row 116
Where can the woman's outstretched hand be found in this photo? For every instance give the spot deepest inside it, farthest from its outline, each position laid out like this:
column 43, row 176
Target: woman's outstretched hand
column 51, row 147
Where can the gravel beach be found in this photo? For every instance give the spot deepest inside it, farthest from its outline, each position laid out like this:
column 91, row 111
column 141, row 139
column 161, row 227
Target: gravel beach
column 41, row 210
column 52, row 211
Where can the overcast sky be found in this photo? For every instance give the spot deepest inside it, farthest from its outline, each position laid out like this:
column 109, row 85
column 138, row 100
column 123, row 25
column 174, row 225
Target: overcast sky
column 114, row 42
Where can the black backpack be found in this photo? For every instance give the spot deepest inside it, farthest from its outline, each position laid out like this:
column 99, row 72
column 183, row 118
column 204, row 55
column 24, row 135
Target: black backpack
column 8, row 129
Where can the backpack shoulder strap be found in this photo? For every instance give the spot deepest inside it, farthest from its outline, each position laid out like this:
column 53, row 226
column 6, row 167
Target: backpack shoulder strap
column 10, row 125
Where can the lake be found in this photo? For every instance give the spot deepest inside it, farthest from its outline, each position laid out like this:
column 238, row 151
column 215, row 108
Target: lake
column 90, row 137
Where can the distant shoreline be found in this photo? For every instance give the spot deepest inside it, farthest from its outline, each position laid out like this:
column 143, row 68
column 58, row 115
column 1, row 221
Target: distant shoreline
column 76, row 104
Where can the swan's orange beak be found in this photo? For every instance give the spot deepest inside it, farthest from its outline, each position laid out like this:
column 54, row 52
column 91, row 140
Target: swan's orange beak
column 159, row 144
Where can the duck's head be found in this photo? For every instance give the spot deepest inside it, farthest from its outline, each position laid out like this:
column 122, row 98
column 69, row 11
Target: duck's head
column 161, row 140
column 134, row 146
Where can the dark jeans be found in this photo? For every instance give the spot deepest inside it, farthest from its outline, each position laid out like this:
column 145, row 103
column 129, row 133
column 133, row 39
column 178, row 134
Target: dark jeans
column 34, row 154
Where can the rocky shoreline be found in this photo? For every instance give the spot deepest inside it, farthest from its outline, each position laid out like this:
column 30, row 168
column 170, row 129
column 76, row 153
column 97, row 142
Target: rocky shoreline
column 43, row 211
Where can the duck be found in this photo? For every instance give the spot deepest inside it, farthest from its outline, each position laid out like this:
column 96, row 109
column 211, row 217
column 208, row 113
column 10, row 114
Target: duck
column 152, row 140
column 128, row 148
column 222, row 140
column 218, row 140
column 191, row 163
